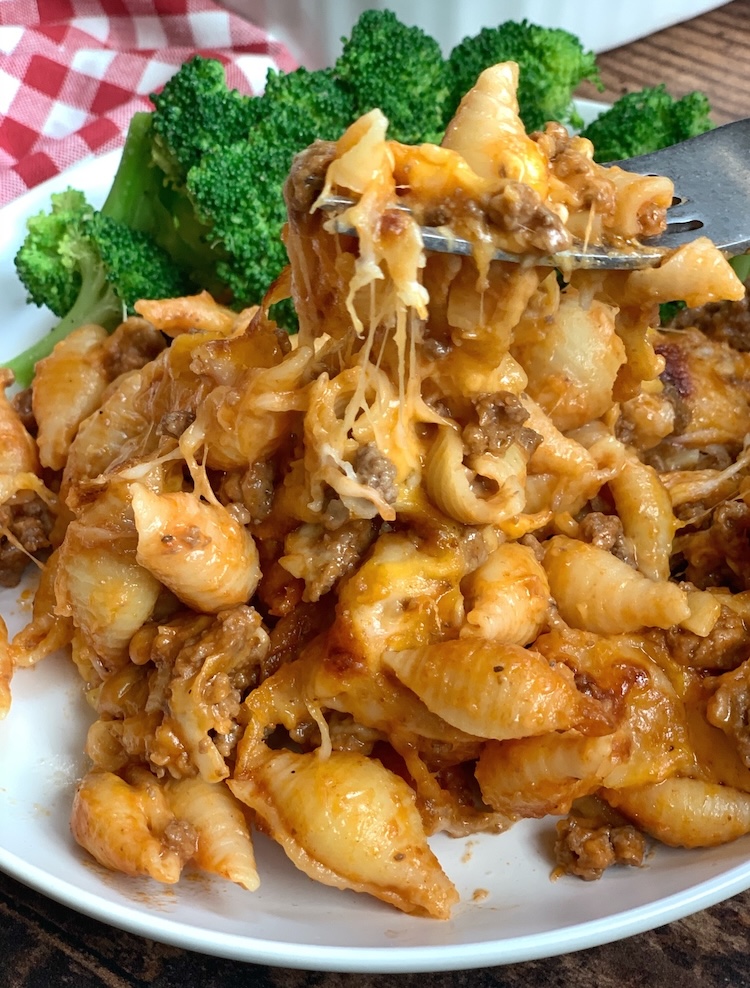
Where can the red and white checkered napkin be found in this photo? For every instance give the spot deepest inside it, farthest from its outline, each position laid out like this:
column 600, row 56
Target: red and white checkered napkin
column 73, row 73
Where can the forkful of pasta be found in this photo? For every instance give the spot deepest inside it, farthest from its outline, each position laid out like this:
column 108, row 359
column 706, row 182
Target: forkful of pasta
column 711, row 192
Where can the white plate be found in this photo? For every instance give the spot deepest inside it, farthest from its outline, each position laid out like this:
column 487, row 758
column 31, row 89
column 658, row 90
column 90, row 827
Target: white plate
column 510, row 910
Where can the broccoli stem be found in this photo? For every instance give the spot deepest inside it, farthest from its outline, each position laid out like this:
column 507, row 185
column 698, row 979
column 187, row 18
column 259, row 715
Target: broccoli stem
column 136, row 181
column 741, row 265
column 143, row 198
column 96, row 303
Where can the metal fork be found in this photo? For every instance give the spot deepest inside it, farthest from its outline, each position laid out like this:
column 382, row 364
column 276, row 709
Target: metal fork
column 711, row 175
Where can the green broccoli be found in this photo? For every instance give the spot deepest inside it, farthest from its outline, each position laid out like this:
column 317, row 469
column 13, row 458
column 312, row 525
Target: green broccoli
column 137, row 185
column 741, row 265
column 645, row 121
column 44, row 262
column 236, row 191
column 303, row 103
column 145, row 198
column 87, row 268
column 135, row 264
column 195, row 113
column 398, row 69
column 552, row 63
column 221, row 158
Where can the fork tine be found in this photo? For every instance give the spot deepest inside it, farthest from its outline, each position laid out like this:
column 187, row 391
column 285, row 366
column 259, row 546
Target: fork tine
column 442, row 241
column 712, row 178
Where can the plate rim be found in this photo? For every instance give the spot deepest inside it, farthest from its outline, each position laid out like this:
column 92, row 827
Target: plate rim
column 386, row 959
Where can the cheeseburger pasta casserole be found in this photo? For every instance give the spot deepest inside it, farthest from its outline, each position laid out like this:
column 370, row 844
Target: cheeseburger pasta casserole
column 470, row 547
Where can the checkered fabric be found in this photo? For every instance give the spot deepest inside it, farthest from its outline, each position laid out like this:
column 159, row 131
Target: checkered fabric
column 73, row 72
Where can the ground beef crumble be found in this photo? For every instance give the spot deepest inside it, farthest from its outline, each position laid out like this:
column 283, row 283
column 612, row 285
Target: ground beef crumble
column 606, row 532
column 725, row 647
column 728, row 322
column 132, row 345
column 376, row 470
column 719, row 555
column 586, row 847
column 519, row 209
column 181, row 837
column 500, row 419
column 28, row 524
column 307, row 176
column 21, row 403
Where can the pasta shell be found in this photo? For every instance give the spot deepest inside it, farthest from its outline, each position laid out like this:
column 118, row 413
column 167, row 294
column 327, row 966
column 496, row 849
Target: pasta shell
column 685, row 812
column 68, row 387
column 196, row 549
column 107, row 594
column 224, row 845
column 642, row 503
column 489, row 134
column 572, row 358
column 531, row 777
column 122, row 826
column 404, row 594
column 596, row 591
column 489, row 689
column 452, row 485
column 18, row 451
column 347, row 821
column 696, row 272
column 507, row 598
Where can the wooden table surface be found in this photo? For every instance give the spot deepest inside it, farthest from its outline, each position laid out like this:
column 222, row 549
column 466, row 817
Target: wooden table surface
column 45, row 945
column 710, row 53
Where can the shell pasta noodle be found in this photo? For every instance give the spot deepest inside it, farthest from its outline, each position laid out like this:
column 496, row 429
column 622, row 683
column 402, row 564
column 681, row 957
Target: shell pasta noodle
column 470, row 547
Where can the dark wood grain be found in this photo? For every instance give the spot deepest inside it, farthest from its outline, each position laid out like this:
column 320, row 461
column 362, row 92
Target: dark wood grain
column 44, row 944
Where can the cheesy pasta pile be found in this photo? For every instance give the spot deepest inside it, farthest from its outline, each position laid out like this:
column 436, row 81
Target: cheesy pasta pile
column 448, row 558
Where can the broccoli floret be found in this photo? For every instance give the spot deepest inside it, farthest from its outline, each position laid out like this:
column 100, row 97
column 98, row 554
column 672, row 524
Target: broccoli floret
column 552, row 63
column 135, row 265
column 195, row 113
column 304, row 104
column 60, row 268
column 647, row 120
column 398, row 69
column 44, row 264
column 223, row 158
column 236, row 191
column 87, row 268
column 741, row 265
